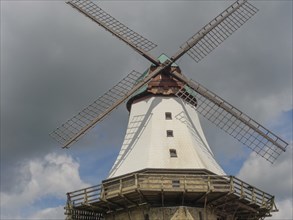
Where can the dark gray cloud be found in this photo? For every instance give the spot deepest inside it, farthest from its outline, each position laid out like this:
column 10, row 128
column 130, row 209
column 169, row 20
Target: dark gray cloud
column 55, row 61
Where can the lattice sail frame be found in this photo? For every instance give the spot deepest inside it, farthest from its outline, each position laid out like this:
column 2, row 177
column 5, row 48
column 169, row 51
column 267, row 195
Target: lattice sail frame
column 219, row 29
column 109, row 23
column 94, row 112
column 234, row 122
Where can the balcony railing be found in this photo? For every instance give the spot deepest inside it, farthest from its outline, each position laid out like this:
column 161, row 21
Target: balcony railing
column 171, row 183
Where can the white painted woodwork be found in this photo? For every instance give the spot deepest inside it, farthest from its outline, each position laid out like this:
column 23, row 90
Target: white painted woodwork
column 146, row 144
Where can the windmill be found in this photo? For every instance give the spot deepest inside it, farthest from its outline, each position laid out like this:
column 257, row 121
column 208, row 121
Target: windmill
column 165, row 168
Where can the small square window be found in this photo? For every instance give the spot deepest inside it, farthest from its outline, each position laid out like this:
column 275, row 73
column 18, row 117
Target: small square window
column 168, row 115
column 170, row 133
column 173, row 153
column 175, row 183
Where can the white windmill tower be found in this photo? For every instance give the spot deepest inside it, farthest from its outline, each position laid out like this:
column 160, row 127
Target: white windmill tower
column 165, row 168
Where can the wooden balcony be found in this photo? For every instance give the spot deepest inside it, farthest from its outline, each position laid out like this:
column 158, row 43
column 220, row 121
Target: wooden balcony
column 225, row 195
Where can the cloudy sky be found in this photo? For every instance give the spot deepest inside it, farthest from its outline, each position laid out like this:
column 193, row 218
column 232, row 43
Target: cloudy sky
column 55, row 62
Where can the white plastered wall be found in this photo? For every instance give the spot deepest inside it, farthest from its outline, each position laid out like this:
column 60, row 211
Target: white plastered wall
column 146, row 144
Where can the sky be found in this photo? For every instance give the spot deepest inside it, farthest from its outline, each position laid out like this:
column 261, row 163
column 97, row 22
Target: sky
column 55, row 62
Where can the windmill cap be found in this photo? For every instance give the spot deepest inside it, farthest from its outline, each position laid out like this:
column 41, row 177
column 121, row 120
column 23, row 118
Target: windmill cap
column 162, row 84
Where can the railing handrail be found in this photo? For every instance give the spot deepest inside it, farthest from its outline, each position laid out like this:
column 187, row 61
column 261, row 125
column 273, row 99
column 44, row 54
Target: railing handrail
column 234, row 184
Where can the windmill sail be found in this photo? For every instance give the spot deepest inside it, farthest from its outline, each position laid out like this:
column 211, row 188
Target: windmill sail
column 115, row 27
column 232, row 121
column 77, row 126
column 216, row 31
column 88, row 117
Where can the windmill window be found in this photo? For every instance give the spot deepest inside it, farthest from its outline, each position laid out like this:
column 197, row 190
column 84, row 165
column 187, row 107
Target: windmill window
column 175, row 183
column 168, row 115
column 173, row 153
column 170, row 133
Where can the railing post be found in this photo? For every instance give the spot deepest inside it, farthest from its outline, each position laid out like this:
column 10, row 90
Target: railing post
column 242, row 190
column 85, row 197
column 120, row 186
column 253, row 195
column 209, row 183
column 231, row 184
column 263, row 202
column 68, row 208
column 68, row 198
column 102, row 195
column 135, row 180
column 273, row 207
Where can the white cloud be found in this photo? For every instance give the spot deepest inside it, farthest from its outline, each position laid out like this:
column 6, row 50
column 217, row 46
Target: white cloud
column 272, row 105
column 275, row 179
column 285, row 210
column 51, row 176
column 49, row 213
